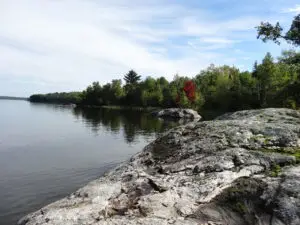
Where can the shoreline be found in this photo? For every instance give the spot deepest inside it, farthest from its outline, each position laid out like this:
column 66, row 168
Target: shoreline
column 180, row 179
column 139, row 108
column 119, row 107
column 207, row 114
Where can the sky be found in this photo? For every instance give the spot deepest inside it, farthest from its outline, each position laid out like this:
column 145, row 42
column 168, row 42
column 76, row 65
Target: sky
column 65, row 45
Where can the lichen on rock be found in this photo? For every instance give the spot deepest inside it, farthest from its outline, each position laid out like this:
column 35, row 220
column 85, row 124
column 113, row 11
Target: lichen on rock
column 240, row 169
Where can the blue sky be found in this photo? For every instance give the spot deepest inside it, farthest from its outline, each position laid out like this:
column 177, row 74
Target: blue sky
column 64, row 45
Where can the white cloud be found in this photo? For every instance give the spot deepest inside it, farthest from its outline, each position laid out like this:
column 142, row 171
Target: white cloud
column 295, row 9
column 72, row 43
column 217, row 40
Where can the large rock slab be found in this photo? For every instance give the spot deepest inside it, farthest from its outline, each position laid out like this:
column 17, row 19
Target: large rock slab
column 241, row 169
column 178, row 113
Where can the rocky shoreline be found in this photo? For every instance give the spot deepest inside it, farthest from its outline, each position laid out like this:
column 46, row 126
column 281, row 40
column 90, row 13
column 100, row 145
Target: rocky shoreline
column 240, row 169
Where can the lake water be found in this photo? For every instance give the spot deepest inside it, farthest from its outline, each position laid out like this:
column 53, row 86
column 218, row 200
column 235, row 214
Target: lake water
column 48, row 151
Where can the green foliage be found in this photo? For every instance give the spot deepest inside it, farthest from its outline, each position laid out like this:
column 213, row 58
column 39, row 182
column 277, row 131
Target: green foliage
column 92, row 95
column 275, row 170
column 265, row 76
column 293, row 35
column 285, row 151
column 219, row 89
column 240, row 207
column 61, row 98
column 297, row 156
column 226, row 88
column 290, row 57
column 267, row 31
column 290, row 103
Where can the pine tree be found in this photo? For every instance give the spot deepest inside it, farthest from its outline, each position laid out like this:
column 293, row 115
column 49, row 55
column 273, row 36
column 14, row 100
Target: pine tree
column 132, row 77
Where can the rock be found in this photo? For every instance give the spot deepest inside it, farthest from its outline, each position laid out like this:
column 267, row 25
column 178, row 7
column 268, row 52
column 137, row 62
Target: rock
column 241, row 169
column 177, row 113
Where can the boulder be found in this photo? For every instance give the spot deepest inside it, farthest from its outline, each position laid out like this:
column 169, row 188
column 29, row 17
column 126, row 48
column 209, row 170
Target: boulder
column 240, row 169
column 178, row 113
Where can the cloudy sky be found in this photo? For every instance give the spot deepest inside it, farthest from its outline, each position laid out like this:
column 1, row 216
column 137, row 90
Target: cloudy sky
column 64, row 45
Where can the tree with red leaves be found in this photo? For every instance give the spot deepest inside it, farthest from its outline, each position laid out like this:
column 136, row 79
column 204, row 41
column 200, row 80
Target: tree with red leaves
column 189, row 90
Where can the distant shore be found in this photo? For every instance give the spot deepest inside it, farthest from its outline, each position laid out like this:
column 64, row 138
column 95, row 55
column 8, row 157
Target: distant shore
column 13, row 98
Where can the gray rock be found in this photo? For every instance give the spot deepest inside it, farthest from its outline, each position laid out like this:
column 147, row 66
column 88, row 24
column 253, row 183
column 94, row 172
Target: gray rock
column 240, row 169
column 177, row 113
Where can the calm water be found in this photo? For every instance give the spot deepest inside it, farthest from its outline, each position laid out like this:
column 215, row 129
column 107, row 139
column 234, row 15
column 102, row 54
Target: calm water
column 48, row 151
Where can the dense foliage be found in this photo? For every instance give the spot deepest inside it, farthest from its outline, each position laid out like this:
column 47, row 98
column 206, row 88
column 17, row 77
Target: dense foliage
column 288, row 85
column 218, row 88
column 62, row 98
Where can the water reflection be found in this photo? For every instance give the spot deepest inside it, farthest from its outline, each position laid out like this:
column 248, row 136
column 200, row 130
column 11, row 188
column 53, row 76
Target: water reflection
column 131, row 122
column 48, row 151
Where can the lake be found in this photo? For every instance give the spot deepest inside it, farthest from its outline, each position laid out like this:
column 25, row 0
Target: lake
column 48, row 151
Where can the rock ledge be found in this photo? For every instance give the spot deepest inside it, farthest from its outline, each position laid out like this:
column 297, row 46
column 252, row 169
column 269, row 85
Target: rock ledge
column 241, row 169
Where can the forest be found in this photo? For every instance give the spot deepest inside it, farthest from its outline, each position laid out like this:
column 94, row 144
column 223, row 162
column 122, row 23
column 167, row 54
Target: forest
column 271, row 83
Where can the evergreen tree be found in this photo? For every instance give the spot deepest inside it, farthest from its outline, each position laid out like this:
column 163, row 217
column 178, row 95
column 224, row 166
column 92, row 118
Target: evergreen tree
column 132, row 77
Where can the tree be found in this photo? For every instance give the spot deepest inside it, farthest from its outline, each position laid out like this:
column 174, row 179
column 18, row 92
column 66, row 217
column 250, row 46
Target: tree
column 267, row 31
column 255, row 66
column 92, row 95
column 249, row 93
column 162, row 82
column 190, row 90
column 215, row 90
column 290, row 57
column 132, row 77
column 265, row 74
column 117, row 90
column 286, row 93
column 149, row 84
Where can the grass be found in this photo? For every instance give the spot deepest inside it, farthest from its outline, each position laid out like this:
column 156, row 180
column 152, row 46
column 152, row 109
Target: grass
column 275, row 170
column 243, row 193
column 240, row 207
column 297, row 156
column 285, row 151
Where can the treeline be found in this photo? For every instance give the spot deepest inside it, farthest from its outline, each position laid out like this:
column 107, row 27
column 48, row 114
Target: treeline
column 220, row 88
column 223, row 88
column 60, row 98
